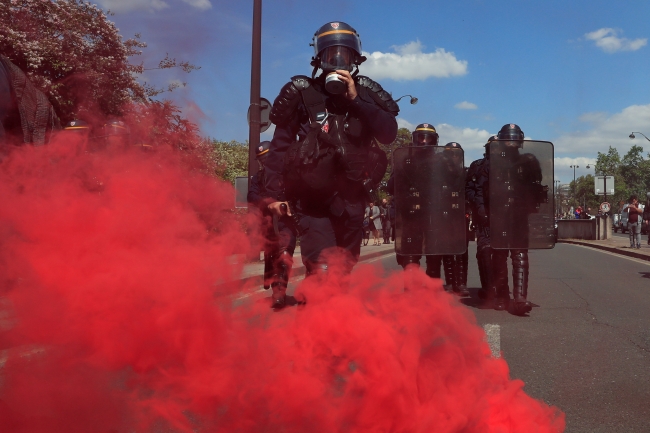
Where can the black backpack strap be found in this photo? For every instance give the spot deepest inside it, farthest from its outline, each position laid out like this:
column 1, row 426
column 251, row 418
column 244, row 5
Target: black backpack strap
column 312, row 98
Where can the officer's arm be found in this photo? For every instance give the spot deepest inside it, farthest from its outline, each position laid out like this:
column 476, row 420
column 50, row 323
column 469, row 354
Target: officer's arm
column 382, row 123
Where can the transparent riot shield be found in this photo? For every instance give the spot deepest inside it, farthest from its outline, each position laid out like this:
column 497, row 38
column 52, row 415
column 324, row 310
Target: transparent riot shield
column 521, row 195
column 429, row 200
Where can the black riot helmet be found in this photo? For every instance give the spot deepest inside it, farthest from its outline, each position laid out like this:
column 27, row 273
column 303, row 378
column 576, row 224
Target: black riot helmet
column 77, row 125
column 336, row 46
column 510, row 132
column 454, row 145
column 262, row 150
column 425, row 134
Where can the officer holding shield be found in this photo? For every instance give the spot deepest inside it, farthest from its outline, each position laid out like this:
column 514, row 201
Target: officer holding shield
column 428, row 186
column 514, row 178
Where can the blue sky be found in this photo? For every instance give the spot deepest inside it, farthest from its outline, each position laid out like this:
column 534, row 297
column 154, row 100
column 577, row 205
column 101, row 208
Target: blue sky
column 572, row 72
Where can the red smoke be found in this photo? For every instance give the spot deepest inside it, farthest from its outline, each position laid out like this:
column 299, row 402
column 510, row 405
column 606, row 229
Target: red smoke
column 111, row 268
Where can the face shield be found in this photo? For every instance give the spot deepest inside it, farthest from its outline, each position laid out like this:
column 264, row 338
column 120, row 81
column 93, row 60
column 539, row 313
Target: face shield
column 337, row 57
column 425, row 138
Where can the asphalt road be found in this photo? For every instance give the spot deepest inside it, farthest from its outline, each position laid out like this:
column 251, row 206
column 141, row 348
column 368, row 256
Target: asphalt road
column 585, row 347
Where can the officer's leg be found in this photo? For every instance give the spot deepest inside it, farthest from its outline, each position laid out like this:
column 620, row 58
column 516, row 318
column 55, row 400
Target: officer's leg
column 410, row 264
column 282, row 261
column 433, row 266
column 347, row 233
column 484, row 261
column 500, row 278
column 317, row 235
column 448, row 263
column 520, row 281
column 461, row 273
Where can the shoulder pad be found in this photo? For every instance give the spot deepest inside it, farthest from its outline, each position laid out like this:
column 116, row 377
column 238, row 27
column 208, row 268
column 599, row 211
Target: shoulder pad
column 301, row 82
column 379, row 95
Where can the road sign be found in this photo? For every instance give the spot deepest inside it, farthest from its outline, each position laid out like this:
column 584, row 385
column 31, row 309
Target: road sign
column 600, row 182
column 265, row 110
column 605, row 207
column 241, row 192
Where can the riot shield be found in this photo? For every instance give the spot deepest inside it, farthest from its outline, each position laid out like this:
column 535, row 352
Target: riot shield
column 521, row 199
column 429, row 200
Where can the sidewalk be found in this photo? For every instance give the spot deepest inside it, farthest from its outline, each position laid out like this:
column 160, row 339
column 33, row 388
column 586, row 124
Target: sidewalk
column 617, row 245
column 254, row 271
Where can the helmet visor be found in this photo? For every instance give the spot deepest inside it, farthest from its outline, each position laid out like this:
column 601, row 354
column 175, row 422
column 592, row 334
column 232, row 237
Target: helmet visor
column 425, row 138
column 337, row 57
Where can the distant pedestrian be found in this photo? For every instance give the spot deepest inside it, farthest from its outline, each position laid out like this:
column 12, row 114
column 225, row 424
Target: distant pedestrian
column 385, row 221
column 634, row 221
column 646, row 216
column 374, row 218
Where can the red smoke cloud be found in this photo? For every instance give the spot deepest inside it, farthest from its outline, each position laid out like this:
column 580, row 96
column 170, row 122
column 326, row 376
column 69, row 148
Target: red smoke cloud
column 111, row 268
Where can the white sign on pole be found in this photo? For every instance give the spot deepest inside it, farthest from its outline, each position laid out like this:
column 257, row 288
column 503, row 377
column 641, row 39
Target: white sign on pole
column 601, row 181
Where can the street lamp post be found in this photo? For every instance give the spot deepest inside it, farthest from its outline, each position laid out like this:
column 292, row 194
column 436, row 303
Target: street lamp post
column 557, row 197
column 574, row 180
column 635, row 132
column 256, row 62
column 413, row 101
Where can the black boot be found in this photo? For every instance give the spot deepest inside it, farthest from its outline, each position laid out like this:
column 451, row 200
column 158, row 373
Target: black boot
column 484, row 260
column 282, row 267
column 500, row 279
column 433, row 266
column 520, row 282
column 461, row 274
column 449, row 264
column 410, row 264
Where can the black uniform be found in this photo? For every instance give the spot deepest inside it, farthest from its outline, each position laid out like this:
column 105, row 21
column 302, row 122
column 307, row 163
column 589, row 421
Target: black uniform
column 476, row 193
column 280, row 237
column 323, row 152
column 494, row 279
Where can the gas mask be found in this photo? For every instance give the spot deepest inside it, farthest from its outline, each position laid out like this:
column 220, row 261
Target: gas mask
column 335, row 58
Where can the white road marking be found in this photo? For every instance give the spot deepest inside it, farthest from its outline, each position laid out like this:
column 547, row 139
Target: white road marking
column 493, row 337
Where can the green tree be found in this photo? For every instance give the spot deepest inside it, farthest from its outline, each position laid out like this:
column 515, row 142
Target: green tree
column 229, row 159
column 610, row 164
column 72, row 52
column 634, row 170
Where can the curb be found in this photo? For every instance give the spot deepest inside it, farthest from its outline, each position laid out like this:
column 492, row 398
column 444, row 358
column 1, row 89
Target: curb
column 300, row 270
column 614, row 250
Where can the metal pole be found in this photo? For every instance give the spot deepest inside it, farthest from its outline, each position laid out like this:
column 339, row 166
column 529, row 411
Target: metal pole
column 256, row 62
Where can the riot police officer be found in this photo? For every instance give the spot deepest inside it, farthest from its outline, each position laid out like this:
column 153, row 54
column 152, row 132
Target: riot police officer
column 459, row 261
column 526, row 174
column 323, row 161
column 280, row 238
column 427, row 195
column 476, row 193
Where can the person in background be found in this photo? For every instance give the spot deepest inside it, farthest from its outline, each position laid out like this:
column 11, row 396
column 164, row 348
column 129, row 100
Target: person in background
column 634, row 221
column 385, row 221
column 374, row 219
column 646, row 215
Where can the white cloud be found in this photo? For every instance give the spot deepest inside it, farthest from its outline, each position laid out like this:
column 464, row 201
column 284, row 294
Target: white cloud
column 602, row 131
column 466, row 106
column 607, row 130
column 471, row 139
column 152, row 5
column 199, row 4
column 607, row 40
column 408, row 62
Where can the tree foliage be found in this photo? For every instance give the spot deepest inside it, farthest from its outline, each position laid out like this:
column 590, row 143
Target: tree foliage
column 229, row 159
column 631, row 173
column 72, row 52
